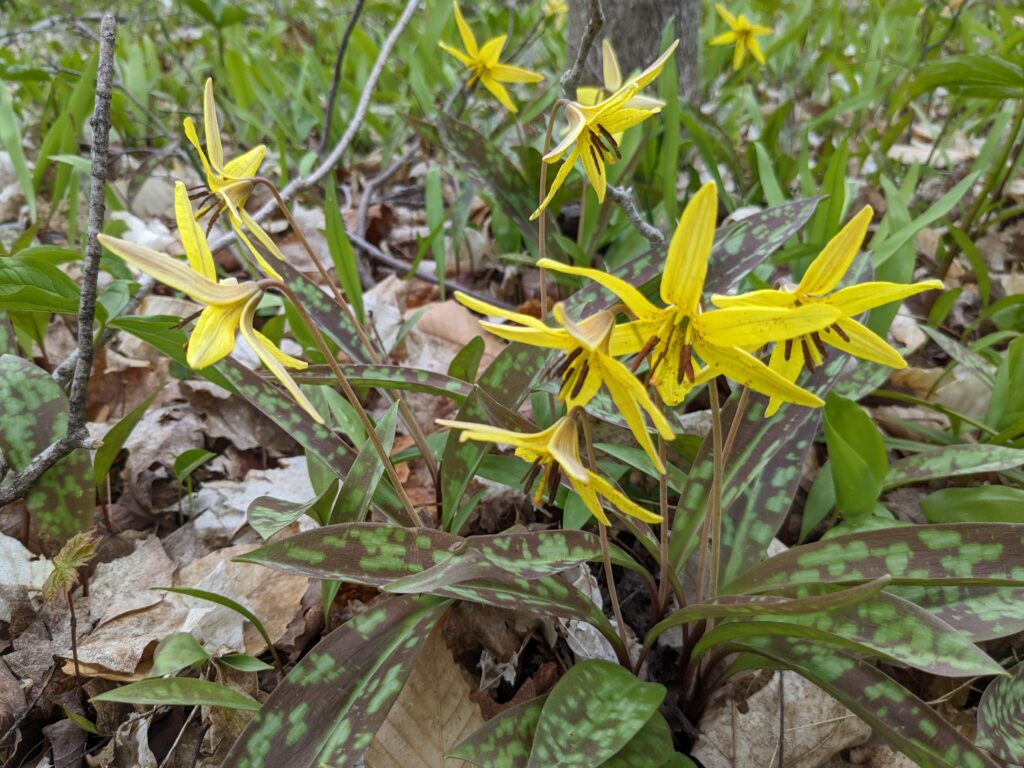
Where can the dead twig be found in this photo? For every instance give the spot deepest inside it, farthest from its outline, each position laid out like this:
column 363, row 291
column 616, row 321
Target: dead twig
column 572, row 76
column 624, row 197
column 336, row 81
column 77, row 436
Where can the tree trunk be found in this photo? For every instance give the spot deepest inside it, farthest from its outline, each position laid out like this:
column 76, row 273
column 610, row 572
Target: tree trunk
column 635, row 28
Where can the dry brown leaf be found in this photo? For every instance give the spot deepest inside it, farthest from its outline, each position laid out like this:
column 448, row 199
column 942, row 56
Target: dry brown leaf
column 430, row 717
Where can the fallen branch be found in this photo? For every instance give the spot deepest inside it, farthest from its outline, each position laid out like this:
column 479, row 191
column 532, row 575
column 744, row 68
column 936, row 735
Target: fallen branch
column 336, row 80
column 624, row 197
column 595, row 24
column 77, row 436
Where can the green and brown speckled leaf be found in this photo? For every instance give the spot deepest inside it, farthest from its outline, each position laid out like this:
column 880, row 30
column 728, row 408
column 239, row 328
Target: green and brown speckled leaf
column 504, row 740
column 1001, row 717
column 651, row 747
column 896, row 714
column 328, row 709
column 323, row 311
column 390, row 377
column 989, row 554
column 364, row 476
column 592, row 713
column 267, row 515
column 979, row 613
column 952, row 461
column 883, row 626
column 33, row 415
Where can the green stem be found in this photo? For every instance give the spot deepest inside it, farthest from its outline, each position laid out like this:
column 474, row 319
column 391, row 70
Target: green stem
column 716, row 487
column 663, row 502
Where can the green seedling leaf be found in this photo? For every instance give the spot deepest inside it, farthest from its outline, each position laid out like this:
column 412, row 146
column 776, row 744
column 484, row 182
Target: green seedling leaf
column 115, row 439
column 342, row 253
column 227, row 602
column 986, row 554
column 33, row 415
column 243, row 662
column 466, row 362
column 987, row 504
column 857, row 457
column 365, row 474
column 189, row 461
column 1001, row 717
column 333, row 701
column 1005, row 408
column 505, row 740
column 80, row 721
column 592, row 713
column 985, row 76
column 952, row 461
column 434, row 204
column 896, row 714
column 179, row 691
column 176, row 652
column 267, row 515
column 10, row 136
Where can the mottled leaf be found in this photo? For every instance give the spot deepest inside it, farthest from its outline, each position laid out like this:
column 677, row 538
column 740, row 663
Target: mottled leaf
column 391, row 377
column 896, row 714
column 592, row 713
column 323, row 310
column 651, row 747
column 333, row 701
column 175, row 652
column 1001, row 717
column 33, row 415
column 883, row 626
column 952, row 461
column 979, row 613
column 504, row 740
column 181, row 691
column 365, row 474
column 955, row 553
column 267, row 515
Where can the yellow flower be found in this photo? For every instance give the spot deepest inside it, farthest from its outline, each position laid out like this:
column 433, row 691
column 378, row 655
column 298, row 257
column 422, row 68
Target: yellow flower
column 586, row 366
column 743, row 33
column 592, row 130
column 555, row 7
column 676, row 335
column 816, row 290
column 230, row 183
column 558, row 445
column 229, row 305
column 483, row 63
column 588, row 95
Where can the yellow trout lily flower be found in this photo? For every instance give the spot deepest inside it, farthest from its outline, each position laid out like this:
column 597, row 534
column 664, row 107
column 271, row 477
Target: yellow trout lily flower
column 592, row 131
column 743, row 33
column 229, row 305
column 589, row 95
column 555, row 8
column 680, row 336
column 816, row 289
column 587, row 365
column 230, row 183
column 556, row 446
column 484, row 65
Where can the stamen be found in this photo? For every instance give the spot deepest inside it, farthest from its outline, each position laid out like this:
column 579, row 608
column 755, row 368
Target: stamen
column 554, row 476
column 819, row 344
column 598, row 161
column 531, row 476
column 838, row 329
column 685, row 365
column 186, row 320
column 808, row 360
column 611, row 140
column 580, row 379
column 563, row 367
column 788, row 353
column 213, row 220
column 644, row 352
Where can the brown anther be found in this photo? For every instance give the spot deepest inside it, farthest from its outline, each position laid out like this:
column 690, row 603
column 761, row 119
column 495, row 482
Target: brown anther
column 213, row 220
column 685, row 365
column 788, row 353
column 580, row 379
column 808, row 360
column 819, row 344
column 644, row 352
column 611, row 140
column 553, row 477
column 839, row 331
column 563, row 367
column 598, row 161
column 531, row 475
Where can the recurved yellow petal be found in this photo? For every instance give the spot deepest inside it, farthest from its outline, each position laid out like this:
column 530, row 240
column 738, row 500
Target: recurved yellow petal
column 456, row 53
column 835, row 259
column 753, row 327
column 610, row 66
column 488, row 434
column 764, row 298
column 490, row 51
column 645, row 77
column 619, row 500
column 468, row 40
column 593, row 166
column 628, row 338
column 197, row 250
column 549, row 338
column 177, row 275
column 193, row 138
column 634, row 300
column 629, row 396
column 863, row 343
column 739, row 52
column 726, row 16
column 860, row 298
column 588, row 95
column 626, row 118
column 748, row 371
column 726, row 38
column 498, row 91
column 563, row 444
column 788, row 367
column 590, row 500
column 506, row 73
column 235, row 217
column 245, row 165
column 483, row 308
column 687, row 264
column 212, row 128
column 755, row 50
column 213, row 338
column 560, row 177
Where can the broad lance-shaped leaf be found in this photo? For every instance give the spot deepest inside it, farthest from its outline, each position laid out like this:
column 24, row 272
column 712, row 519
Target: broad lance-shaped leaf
column 896, row 714
column 883, row 626
column 1001, row 717
column 365, row 473
column 267, row 515
column 33, row 415
column 183, row 691
column 749, row 606
column 505, row 740
column 390, row 377
column 953, row 553
column 760, row 479
column 592, row 713
column 333, row 701
column 952, row 461
column 979, row 613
